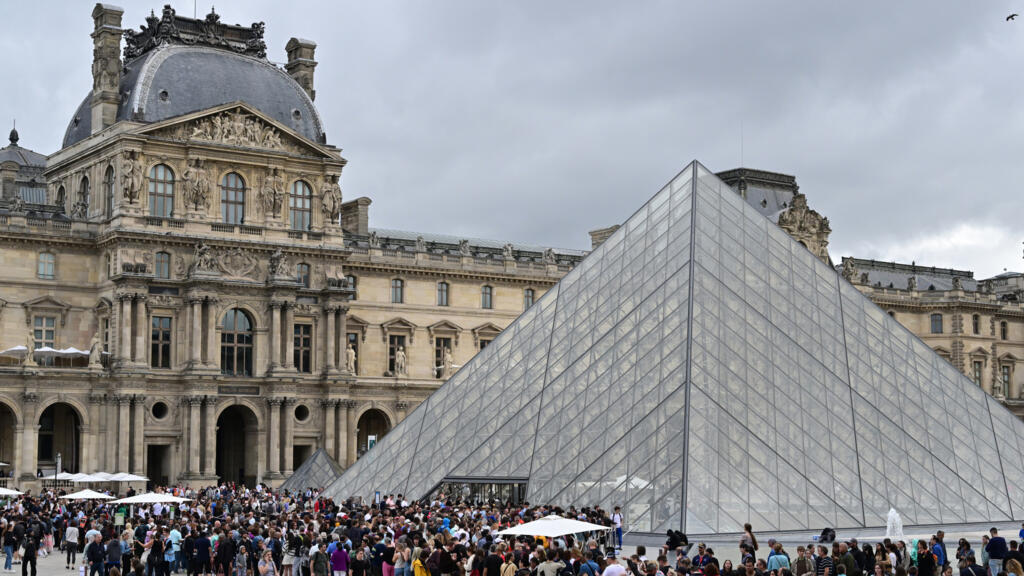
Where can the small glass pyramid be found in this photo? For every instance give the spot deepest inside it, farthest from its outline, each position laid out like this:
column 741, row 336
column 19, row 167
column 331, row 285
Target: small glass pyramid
column 702, row 356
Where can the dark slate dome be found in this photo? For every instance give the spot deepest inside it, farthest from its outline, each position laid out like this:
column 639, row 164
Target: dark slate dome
column 171, row 80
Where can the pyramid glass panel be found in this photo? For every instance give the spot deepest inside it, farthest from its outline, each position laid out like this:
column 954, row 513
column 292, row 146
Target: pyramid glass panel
column 702, row 370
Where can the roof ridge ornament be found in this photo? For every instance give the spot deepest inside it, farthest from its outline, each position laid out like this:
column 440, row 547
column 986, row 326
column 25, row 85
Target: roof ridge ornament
column 169, row 28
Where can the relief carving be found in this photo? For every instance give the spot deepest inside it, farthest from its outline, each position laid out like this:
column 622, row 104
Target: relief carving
column 238, row 263
column 331, row 199
column 271, row 194
column 236, row 128
column 131, row 175
column 197, row 185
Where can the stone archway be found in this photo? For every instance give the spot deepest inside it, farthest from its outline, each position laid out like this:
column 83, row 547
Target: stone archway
column 8, row 429
column 371, row 428
column 59, row 434
column 237, row 455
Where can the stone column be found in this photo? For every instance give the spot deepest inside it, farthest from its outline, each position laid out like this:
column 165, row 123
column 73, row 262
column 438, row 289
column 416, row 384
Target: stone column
column 330, row 407
column 342, row 340
column 212, row 342
column 141, row 329
column 274, row 437
column 123, row 429
column 330, row 311
column 29, row 435
column 195, row 404
column 18, row 465
column 275, row 335
column 196, row 352
column 138, row 439
column 351, row 438
column 289, row 336
column 92, row 443
column 210, row 440
column 288, row 444
column 126, row 328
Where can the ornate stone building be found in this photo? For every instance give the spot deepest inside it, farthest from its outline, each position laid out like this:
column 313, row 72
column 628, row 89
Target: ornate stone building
column 186, row 293
column 977, row 325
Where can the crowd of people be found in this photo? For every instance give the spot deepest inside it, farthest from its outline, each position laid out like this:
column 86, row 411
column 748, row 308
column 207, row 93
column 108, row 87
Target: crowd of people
column 232, row 530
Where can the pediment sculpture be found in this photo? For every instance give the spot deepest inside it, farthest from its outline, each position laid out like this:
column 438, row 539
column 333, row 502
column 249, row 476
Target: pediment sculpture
column 233, row 128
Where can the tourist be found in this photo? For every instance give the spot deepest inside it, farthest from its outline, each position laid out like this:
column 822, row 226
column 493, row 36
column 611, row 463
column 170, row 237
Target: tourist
column 1016, row 557
column 727, row 569
column 95, row 556
column 749, row 539
column 340, row 561
column 778, row 561
column 113, row 551
column 804, row 563
column 266, row 566
column 971, row 567
column 997, row 550
column 70, row 546
column 824, row 565
column 926, row 561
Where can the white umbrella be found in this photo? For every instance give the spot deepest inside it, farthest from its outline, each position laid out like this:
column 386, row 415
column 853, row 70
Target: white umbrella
column 126, row 477
column 552, row 526
column 9, row 492
column 151, row 498
column 63, row 476
column 82, row 477
column 105, row 476
column 86, row 495
column 4, row 464
column 16, row 352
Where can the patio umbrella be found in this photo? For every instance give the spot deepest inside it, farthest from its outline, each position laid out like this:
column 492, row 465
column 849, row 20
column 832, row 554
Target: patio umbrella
column 9, row 492
column 86, row 495
column 82, row 477
column 151, row 498
column 552, row 526
column 15, row 352
column 105, row 476
column 126, row 477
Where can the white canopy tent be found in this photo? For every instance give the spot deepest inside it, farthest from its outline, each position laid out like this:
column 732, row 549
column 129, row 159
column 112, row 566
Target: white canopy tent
column 126, row 477
column 552, row 526
column 86, row 495
column 9, row 492
column 151, row 498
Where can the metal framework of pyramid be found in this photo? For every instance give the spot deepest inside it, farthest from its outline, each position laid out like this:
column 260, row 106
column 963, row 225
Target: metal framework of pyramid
column 703, row 369
column 318, row 471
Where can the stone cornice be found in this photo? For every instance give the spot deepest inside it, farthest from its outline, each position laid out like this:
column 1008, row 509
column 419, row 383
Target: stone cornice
column 463, row 273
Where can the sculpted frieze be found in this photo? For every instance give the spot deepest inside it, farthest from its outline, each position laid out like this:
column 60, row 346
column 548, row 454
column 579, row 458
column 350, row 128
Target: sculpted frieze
column 231, row 128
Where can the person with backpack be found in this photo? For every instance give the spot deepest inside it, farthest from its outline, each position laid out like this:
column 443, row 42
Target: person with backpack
column 588, row 567
column 926, row 562
column 319, row 563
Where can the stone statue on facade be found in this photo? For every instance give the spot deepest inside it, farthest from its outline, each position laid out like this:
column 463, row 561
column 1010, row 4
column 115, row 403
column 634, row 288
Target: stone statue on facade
column 912, row 283
column 374, row 240
column 197, row 185
column 421, row 244
column 95, row 351
column 549, row 256
column 330, row 199
column 30, row 345
column 278, row 265
column 957, row 283
column 464, row 248
column 849, row 270
column 272, row 194
column 506, row 251
column 400, row 369
column 864, row 278
column 350, row 359
column 446, row 363
column 997, row 388
column 204, row 260
column 131, row 176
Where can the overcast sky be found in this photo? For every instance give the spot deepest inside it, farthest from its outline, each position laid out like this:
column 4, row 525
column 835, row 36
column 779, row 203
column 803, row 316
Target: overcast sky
column 538, row 121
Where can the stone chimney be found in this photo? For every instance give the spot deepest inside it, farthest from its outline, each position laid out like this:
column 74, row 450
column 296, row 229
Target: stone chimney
column 597, row 237
column 106, row 65
column 301, row 63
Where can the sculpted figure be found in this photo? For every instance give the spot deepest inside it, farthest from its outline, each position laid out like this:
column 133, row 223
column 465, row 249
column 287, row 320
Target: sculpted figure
column 330, row 202
column 131, row 176
column 421, row 244
column 464, row 247
column 197, row 185
column 374, row 240
column 95, row 351
column 400, row 361
column 272, row 193
column 506, row 251
column 278, row 265
column 849, row 270
column 957, row 283
column 549, row 256
column 350, row 359
column 30, row 344
column 912, row 283
column 203, row 260
column 446, row 363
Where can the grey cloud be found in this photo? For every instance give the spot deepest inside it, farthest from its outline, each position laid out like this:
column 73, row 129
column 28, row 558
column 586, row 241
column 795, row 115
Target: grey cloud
column 537, row 121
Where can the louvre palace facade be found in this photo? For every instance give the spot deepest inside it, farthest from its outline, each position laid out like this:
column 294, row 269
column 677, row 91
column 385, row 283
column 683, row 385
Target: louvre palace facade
column 199, row 299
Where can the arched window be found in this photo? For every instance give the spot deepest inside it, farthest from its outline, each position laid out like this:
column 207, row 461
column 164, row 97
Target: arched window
column 236, row 344
column 397, row 291
column 108, row 190
column 302, row 274
column 976, row 323
column 163, row 265
column 161, row 191
column 232, row 199
column 1004, row 331
column 442, row 293
column 62, row 198
column 351, row 281
column 528, row 296
column 486, row 297
column 936, row 323
column 83, row 193
column 299, row 205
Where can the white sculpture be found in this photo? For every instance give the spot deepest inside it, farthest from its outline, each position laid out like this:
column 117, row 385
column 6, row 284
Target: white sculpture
column 350, row 359
column 95, row 351
column 446, row 363
column 400, row 361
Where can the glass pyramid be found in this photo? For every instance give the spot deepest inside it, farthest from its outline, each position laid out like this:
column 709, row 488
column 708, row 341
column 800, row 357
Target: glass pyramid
column 318, row 471
column 702, row 356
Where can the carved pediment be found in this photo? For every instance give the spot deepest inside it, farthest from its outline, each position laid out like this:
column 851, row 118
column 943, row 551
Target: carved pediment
column 234, row 125
column 46, row 303
column 358, row 324
column 445, row 328
column 486, row 331
column 398, row 325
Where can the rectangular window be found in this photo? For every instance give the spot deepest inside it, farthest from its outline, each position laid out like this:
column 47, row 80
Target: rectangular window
column 484, row 343
column 442, row 293
column 160, row 342
column 163, row 265
column 1004, row 330
column 527, row 298
column 1006, row 378
column 976, row 323
column 106, row 342
column 977, row 372
column 394, row 343
column 44, row 334
column 353, row 339
column 397, row 291
column 487, row 297
column 303, row 356
column 440, row 345
column 47, row 263
column 936, row 323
